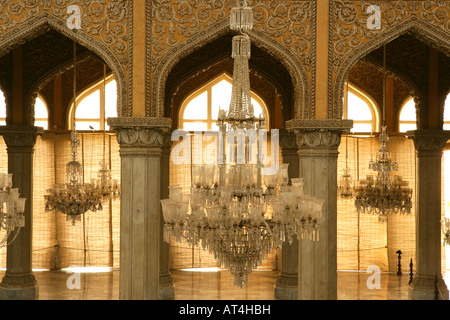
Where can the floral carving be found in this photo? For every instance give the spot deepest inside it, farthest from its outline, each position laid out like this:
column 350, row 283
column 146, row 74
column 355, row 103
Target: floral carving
column 352, row 39
column 106, row 29
column 284, row 28
column 289, row 22
column 104, row 20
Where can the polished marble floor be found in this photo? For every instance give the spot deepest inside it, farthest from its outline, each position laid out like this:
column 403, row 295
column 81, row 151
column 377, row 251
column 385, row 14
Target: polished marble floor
column 213, row 285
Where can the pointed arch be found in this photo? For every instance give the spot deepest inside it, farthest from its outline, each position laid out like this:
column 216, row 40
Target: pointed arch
column 42, row 23
column 424, row 31
column 155, row 97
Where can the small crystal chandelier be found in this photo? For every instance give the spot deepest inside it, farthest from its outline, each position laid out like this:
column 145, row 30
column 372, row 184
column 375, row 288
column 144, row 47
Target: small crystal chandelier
column 345, row 184
column 74, row 197
column 383, row 195
column 108, row 188
column 12, row 208
column 236, row 209
column 446, row 230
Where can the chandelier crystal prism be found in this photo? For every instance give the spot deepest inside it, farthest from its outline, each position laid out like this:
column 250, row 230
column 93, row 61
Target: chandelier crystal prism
column 238, row 208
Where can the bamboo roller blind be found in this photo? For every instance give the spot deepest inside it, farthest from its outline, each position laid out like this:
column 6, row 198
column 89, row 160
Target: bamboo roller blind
column 361, row 240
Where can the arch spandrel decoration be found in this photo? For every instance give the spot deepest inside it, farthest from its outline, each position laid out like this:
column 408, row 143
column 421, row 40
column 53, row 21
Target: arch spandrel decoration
column 350, row 38
column 286, row 29
column 106, row 29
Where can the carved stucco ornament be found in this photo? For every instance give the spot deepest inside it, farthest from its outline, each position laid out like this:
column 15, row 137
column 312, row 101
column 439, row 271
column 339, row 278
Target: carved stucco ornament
column 351, row 39
column 106, row 29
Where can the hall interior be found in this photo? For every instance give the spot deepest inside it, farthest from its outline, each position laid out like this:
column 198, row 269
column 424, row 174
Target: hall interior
column 157, row 67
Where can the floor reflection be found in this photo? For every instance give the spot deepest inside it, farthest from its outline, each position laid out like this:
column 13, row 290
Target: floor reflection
column 213, row 285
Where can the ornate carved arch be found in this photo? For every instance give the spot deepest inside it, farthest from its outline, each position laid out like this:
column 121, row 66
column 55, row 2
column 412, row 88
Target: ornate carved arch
column 427, row 33
column 299, row 76
column 38, row 25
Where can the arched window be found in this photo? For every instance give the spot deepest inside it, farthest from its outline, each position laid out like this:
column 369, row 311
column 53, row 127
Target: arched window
column 361, row 108
column 407, row 120
column 40, row 113
column 199, row 112
column 95, row 105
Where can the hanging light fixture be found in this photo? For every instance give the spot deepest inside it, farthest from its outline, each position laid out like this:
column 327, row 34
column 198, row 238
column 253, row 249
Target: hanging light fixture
column 108, row 188
column 383, row 195
column 345, row 184
column 12, row 208
column 74, row 197
column 446, row 230
column 237, row 209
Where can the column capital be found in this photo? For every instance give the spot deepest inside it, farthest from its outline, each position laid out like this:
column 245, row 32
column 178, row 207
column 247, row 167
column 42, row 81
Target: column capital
column 141, row 136
column 319, row 133
column 288, row 141
column 17, row 136
column 429, row 140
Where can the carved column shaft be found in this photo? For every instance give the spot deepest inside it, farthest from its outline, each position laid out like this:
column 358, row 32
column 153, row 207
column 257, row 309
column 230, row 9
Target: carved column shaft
column 166, row 286
column 286, row 286
column 429, row 145
column 19, row 281
column 141, row 141
column 318, row 142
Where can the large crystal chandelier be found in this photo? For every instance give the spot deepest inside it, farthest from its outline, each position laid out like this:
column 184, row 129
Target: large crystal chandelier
column 12, row 207
column 237, row 208
column 383, row 194
column 74, row 197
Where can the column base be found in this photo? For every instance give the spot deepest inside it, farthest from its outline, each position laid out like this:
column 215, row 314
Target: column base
column 19, row 287
column 286, row 287
column 427, row 288
column 166, row 287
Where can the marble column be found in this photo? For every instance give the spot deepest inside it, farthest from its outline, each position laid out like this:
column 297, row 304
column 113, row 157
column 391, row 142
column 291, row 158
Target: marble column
column 166, row 285
column 429, row 146
column 141, row 141
column 19, row 282
column 286, row 286
column 318, row 142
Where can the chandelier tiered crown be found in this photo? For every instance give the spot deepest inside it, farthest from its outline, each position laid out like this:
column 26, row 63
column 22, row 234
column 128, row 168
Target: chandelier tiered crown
column 239, row 208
